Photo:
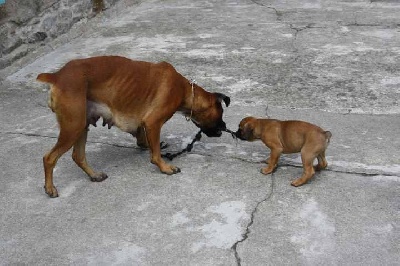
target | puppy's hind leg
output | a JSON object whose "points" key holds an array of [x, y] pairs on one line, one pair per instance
{"points": [[79, 156], [308, 170], [322, 163], [141, 139]]}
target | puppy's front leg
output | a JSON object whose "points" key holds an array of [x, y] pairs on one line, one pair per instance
{"points": [[272, 161], [152, 132]]}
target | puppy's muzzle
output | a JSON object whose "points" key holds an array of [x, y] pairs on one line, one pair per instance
{"points": [[239, 134]]}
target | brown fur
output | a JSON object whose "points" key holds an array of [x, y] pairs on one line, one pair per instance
{"points": [[138, 97], [288, 137]]}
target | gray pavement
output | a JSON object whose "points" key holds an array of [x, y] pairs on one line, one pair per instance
{"points": [[333, 63]]}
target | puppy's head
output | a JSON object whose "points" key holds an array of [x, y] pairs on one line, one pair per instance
{"points": [[246, 129], [209, 120]]}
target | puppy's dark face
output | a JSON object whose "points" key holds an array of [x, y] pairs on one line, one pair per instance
{"points": [[246, 129], [210, 120]]}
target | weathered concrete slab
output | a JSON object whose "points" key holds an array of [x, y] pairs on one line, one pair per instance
{"points": [[326, 223]]}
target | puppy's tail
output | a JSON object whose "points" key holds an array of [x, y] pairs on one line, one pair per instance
{"points": [[47, 78], [328, 136]]}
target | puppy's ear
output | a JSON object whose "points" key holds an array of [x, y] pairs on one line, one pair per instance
{"points": [[222, 97]]}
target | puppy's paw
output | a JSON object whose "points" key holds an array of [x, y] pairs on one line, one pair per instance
{"points": [[298, 182], [51, 191], [318, 167], [267, 170], [98, 177]]}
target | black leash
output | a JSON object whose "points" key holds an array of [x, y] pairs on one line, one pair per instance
{"points": [[233, 134], [189, 147]]}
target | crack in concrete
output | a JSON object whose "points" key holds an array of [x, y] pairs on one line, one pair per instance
{"points": [[278, 13], [300, 29], [380, 25], [56, 137], [356, 24], [297, 30], [245, 236], [26, 134], [329, 169]]}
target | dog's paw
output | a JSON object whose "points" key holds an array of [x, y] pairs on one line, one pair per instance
{"points": [[176, 170], [51, 191], [98, 177], [171, 170]]}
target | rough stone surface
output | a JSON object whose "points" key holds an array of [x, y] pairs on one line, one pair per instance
{"points": [[32, 22], [332, 63]]}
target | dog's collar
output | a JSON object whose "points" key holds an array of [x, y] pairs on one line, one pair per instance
{"points": [[188, 118]]}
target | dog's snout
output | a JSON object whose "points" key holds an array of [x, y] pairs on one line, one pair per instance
{"points": [[222, 125]]}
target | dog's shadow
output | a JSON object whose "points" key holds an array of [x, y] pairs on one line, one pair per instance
{"points": [[106, 157]]}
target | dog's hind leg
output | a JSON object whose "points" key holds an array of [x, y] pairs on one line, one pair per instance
{"points": [[70, 108], [141, 139], [66, 139], [79, 156]]}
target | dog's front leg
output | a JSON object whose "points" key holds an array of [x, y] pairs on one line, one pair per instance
{"points": [[152, 131]]}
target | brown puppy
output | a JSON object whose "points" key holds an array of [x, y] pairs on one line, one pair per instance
{"points": [[137, 97], [288, 137]]}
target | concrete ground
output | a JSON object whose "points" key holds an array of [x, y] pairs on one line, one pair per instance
{"points": [[332, 63]]}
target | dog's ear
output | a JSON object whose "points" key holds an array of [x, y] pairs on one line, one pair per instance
{"points": [[222, 97]]}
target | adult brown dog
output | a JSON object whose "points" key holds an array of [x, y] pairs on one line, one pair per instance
{"points": [[288, 137], [137, 97]]}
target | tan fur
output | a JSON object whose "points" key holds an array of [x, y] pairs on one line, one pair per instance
{"points": [[138, 97], [288, 137]]}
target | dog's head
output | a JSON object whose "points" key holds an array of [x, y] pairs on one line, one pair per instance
{"points": [[209, 118], [246, 129]]}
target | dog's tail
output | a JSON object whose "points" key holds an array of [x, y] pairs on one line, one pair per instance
{"points": [[47, 78], [328, 136]]}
